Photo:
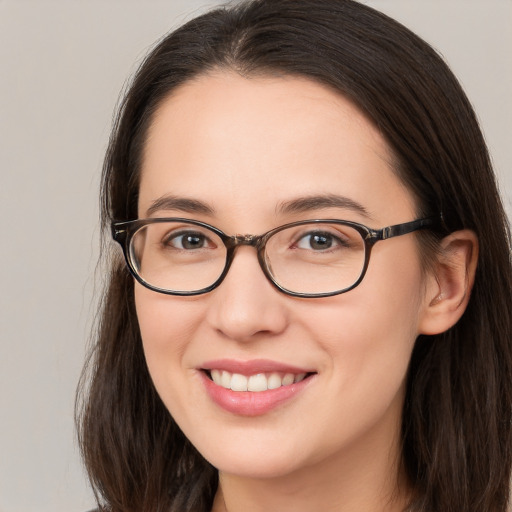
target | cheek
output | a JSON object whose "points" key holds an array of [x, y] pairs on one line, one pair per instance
{"points": [[369, 334], [369, 349], [394, 289], [166, 324]]}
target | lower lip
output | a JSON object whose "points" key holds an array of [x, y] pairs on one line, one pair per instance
{"points": [[252, 403]]}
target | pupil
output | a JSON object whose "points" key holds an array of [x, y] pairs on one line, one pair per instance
{"points": [[320, 242], [192, 242]]}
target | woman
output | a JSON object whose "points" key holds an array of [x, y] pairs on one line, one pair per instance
{"points": [[251, 355]]}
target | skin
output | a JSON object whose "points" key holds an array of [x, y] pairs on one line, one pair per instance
{"points": [[244, 147]]}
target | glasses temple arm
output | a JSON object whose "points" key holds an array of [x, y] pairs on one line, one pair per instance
{"points": [[403, 229]]}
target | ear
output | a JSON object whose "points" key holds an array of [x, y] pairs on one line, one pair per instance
{"points": [[450, 282]]}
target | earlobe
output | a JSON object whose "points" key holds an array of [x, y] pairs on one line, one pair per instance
{"points": [[450, 282]]}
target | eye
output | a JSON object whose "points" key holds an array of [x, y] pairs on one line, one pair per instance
{"points": [[188, 240], [320, 241]]}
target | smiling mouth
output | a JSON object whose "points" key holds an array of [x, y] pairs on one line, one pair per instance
{"points": [[256, 383]]}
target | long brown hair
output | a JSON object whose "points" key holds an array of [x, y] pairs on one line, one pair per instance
{"points": [[456, 428]]}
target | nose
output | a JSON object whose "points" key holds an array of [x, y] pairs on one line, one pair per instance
{"points": [[246, 304]]}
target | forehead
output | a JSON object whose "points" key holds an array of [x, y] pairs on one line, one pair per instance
{"points": [[237, 142]]}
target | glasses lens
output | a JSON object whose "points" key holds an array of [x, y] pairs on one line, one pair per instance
{"points": [[177, 256], [316, 258]]}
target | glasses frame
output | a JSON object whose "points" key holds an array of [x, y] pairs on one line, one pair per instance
{"points": [[123, 232]]}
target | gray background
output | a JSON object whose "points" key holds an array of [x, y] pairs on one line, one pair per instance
{"points": [[63, 64]]}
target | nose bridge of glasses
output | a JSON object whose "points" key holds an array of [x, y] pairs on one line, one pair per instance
{"points": [[247, 239], [235, 241]]}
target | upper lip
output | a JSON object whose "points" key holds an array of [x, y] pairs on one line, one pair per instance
{"points": [[253, 366]]}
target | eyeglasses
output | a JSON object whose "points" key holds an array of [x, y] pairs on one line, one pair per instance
{"points": [[309, 258]]}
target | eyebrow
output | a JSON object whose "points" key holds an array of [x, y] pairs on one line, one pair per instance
{"points": [[298, 205], [182, 204], [319, 202]]}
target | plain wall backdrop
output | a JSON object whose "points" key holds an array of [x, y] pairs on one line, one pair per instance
{"points": [[63, 64]]}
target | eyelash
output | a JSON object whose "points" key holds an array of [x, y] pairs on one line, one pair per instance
{"points": [[171, 237], [337, 240]]}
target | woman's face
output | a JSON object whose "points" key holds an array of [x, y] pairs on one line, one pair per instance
{"points": [[244, 150]]}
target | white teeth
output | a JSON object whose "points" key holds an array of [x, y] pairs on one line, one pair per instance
{"points": [[225, 381], [216, 376], [238, 382], [274, 381], [288, 379], [255, 383]]}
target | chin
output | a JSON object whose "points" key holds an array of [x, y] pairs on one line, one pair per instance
{"points": [[257, 469], [251, 459]]}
